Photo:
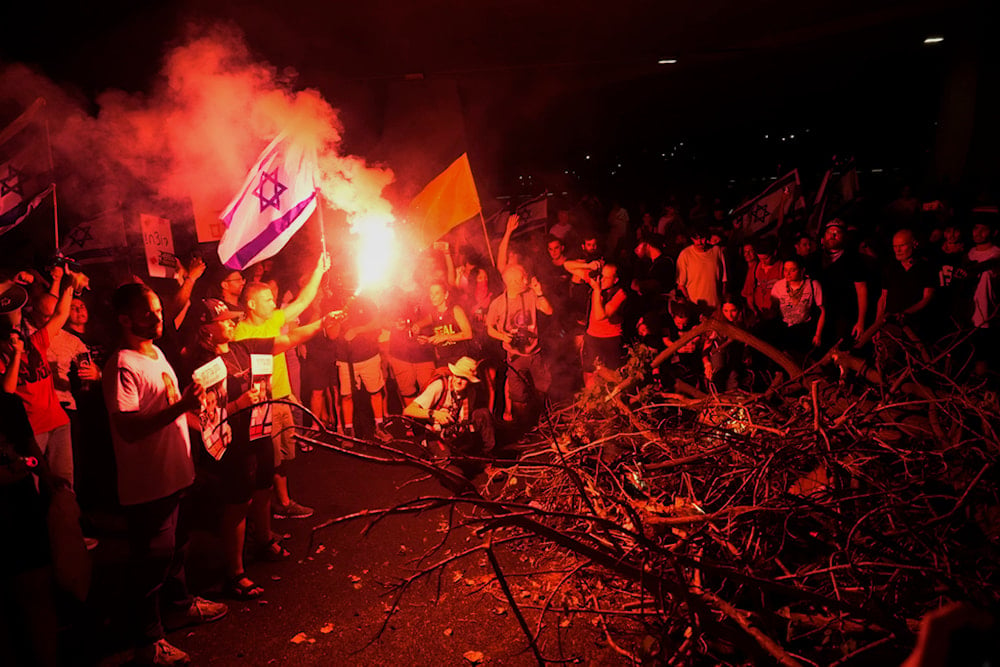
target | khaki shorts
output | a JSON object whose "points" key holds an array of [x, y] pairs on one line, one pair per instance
{"points": [[411, 377], [367, 376], [282, 432]]}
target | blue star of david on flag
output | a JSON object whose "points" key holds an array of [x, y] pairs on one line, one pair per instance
{"points": [[80, 235], [277, 188], [11, 183], [277, 197]]}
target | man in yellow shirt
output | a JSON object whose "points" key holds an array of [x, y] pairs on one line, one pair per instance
{"points": [[264, 320]]}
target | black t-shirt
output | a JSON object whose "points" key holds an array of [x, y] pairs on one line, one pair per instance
{"points": [[555, 281], [403, 345], [365, 346], [840, 297], [905, 288], [22, 512], [237, 361]]}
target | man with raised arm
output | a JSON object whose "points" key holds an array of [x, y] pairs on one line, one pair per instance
{"points": [[265, 320]]}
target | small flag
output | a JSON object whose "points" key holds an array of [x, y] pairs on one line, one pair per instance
{"points": [[276, 199], [25, 171], [97, 240], [836, 192], [534, 215], [448, 200], [761, 215], [207, 212]]}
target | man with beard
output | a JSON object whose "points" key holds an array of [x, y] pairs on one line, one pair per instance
{"points": [[845, 290], [701, 271], [654, 276], [448, 401], [153, 455]]}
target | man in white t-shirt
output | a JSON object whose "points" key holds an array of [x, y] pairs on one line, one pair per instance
{"points": [[153, 456], [701, 271]]}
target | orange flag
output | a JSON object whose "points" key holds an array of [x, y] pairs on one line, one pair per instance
{"points": [[448, 200]]}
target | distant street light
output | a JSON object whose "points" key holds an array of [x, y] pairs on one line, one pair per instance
{"points": [[667, 61], [933, 39]]}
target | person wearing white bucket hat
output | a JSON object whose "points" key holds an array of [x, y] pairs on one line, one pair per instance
{"points": [[447, 403]]}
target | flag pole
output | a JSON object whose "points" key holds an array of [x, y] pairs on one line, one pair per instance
{"points": [[489, 247], [52, 170], [322, 224]]}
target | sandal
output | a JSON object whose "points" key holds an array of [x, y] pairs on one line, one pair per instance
{"points": [[273, 552], [237, 590]]}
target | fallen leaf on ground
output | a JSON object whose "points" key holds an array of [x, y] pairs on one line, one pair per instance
{"points": [[475, 657], [300, 638], [448, 632], [327, 629], [320, 549]]}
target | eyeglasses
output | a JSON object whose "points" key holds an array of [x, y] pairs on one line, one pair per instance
{"points": [[241, 279]]}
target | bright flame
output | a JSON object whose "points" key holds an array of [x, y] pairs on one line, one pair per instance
{"points": [[376, 251]]}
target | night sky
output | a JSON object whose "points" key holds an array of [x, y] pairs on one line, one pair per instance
{"points": [[541, 88]]}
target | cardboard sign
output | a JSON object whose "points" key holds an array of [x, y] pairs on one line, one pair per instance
{"points": [[261, 368], [158, 242], [213, 418]]}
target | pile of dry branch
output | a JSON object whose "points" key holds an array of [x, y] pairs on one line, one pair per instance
{"points": [[816, 523]]}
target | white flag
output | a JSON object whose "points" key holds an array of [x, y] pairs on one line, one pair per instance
{"points": [[276, 199]]}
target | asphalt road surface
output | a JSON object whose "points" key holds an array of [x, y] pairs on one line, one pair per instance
{"points": [[326, 606]]}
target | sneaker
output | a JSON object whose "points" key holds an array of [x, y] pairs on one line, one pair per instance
{"points": [[161, 653], [292, 510], [200, 611], [382, 435]]}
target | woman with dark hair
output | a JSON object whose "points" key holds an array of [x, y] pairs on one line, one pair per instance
{"points": [[800, 301], [725, 359], [446, 327]]}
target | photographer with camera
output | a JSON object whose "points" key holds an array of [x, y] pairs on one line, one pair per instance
{"points": [[602, 343], [447, 404], [513, 320]]}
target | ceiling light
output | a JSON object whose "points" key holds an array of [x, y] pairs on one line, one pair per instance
{"points": [[933, 39], [667, 61]]}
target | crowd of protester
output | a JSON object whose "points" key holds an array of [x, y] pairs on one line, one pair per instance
{"points": [[465, 338]]}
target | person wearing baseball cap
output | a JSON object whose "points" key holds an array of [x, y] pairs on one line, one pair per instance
{"points": [[843, 279], [245, 466]]}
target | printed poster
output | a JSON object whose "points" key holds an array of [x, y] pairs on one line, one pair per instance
{"points": [[213, 418], [261, 368]]}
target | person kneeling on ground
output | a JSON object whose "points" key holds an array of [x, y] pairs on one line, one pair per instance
{"points": [[447, 404]]}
